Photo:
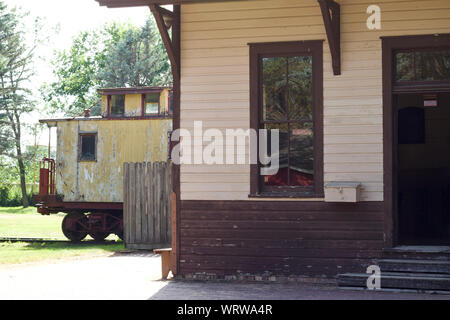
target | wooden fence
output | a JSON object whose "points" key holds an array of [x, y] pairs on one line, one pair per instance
{"points": [[147, 205]]}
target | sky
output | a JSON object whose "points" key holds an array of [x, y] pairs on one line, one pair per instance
{"points": [[72, 16]]}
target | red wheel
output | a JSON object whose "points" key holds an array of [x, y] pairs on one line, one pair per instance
{"points": [[74, 226]]}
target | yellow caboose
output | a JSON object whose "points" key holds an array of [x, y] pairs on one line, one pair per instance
{"points": [[85, 180]]}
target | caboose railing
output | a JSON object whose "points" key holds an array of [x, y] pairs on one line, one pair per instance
{"points": [[47, 177]]}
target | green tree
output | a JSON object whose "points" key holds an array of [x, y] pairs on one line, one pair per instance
{"points": [[117, 55], [75, 73], [16, 70], [137, 59], [10, 194]]}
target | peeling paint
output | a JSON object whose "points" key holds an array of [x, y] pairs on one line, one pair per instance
{"points": [[88, 176], [118, 141]]}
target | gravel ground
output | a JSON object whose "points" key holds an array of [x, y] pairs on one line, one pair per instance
{"points": [[137, 277]]}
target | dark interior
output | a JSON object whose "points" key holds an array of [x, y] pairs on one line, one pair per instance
{"points": [[87, 147], [423, 170]]}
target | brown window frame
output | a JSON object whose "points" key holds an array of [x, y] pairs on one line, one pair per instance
{"points": [[258, 51], [80, 146], [109, 106], [151, 115], [414, 85], [422, 43]]}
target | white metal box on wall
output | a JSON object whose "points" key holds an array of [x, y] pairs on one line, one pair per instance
{"points": [[342, 192]]}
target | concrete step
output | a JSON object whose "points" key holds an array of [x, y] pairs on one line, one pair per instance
{"points": [[399, 280], [414, 266], [418, 252]]}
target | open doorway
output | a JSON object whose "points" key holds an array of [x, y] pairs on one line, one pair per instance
{"points": [[423, 168], [416, 139]]}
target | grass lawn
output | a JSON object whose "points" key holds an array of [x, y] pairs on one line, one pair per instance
{"points": [[21, 252], [17, 222], [27, 223]]}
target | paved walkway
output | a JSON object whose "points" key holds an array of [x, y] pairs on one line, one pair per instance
{"points": [[136, 276], [239, 291]]}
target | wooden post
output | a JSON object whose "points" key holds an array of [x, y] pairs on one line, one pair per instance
{"points": [[125, 201], [165, 261], [174, 230], [151, 217], [138, 204]]}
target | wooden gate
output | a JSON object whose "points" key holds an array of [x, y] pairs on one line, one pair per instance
{"points": [[147, 191]]}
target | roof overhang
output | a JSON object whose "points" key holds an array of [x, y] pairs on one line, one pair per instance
{"points": [[146, 3], [135, 90], [331, 12], [49, 122]]}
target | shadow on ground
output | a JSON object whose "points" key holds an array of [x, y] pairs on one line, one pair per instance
{"points": [[112, 246]]}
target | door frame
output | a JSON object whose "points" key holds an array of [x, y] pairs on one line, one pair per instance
{"points": [[390, 158]]}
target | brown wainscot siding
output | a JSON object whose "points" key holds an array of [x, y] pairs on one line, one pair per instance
{"points": [[223, 238]]}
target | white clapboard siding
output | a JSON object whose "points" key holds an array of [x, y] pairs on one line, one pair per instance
{"points": [[215, 81]]}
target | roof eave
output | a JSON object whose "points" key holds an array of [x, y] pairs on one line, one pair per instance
{"points": [[135, 90], [146, 3]]}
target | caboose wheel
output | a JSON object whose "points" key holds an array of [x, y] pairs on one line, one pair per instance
{"points": [[99, 236], [73, 226]]}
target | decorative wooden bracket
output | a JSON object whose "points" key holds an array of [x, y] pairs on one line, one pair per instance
{"points": [[331, 12], [166, 19]]}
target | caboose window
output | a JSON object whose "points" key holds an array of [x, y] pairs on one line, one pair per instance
{"points": [[87, 147], [117, 105], [152, 103]]}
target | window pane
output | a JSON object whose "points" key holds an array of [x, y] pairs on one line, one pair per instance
{"points": [[117, 105], [301, 156], [152, 103], [274, 88], [300, 88], [423, 66], [405, 67], [281, 178], [87, 147]]}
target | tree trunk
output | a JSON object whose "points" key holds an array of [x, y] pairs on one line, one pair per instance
{"points": [[23, 184]]}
